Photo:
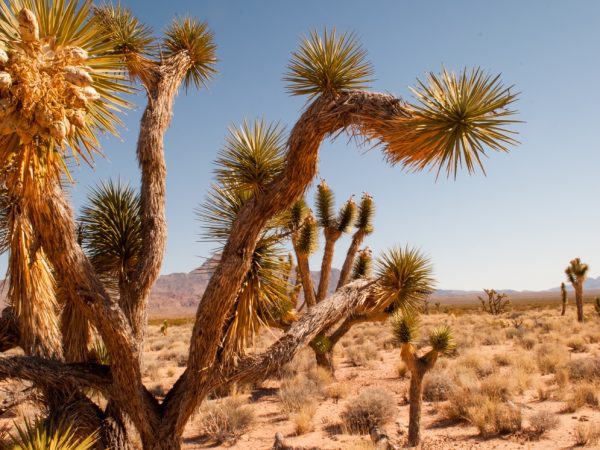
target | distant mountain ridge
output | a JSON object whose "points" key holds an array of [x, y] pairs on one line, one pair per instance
{"points": [[178, 294]]}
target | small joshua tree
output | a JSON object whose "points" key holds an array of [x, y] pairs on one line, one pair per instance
{"points": [[496, 303], [405, 327], [576, 274], [564, 298], [597, 305], [164, 327]]}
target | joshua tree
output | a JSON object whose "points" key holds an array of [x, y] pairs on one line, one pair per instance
{"points": [[63, 68], [495, 303], [597, 305], [405, 327], [576, 274], [564, 298]]}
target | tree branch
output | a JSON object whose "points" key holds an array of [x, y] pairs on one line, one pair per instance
{"points": [[9, 330], [53, 374], [365, 113]]}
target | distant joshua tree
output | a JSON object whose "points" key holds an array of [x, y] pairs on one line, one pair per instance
{"points": [[597, 305], [564, 298], [495, 303], [405, 327], [576, 274]]}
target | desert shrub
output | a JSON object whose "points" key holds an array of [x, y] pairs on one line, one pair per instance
{"points": [[225, 420], [577, 344], [373, 407], [582, 394], [527, 341], [493, 417], [526, 362], [303, 362], [491, 338], [437, 386], [336, 391], [583, 369], [360, 355], [586, 434], [320, 376], [303, 419], [498, 387], [502, 359], [481, 365], [543, 421], [549, 357], [298, 392]]}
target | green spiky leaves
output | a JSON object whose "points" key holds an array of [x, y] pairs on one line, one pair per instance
{"points": [[252, 156], [405, 278], [363, 265], [346, 216], [325, 204], [307, 239], [441, 339], [405, 327], [327, 64], [456, 117], [111, 231], [197, 41], [129, 36], [366, 211], [40, 435], [576, 270]]}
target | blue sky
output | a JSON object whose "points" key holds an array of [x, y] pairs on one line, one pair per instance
{"points": [[516, 228]]}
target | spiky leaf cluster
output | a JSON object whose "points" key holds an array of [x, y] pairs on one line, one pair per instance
{"points": [[405, 278], [297, 215], [328, 64], [325, 204], [307, 240], [195, 39], [41, 435], [346, 216], [252, 156], [405, 327], [363, 265], [441, 339], [455, 118], [111, 231], [366, 211], [576, 270], [129, 36], [66, 82]]}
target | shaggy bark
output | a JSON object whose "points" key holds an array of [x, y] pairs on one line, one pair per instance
{"points": [[366, 113], [331, 237], [307, 284], [162, 82], [579, 299], [346, 272], [9, 330]]}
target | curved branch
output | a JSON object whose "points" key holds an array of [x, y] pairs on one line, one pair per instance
{"points": [[53, 374], [357, 240], [365, 113], [161, 89]]}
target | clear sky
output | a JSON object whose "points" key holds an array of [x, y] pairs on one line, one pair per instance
{"points": [[516, 228]]}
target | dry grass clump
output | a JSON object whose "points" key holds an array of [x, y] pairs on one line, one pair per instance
{"points": [[586, 434], [528, 341], [585, 369], [498, 387], [360, 355], [225, 420], [577, 344], [549, 357], [474, 360], [303, 390], [373, 407], [493, 417], [302, 363], [582, 394], [437, 386], [542, 422], [303, 419], [336, 391]]}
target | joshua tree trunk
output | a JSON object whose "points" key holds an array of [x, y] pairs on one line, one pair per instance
{"points": [[325, 360], [307, 283], [331, 237], [579, 299], [357, 240], [415, 397]]}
